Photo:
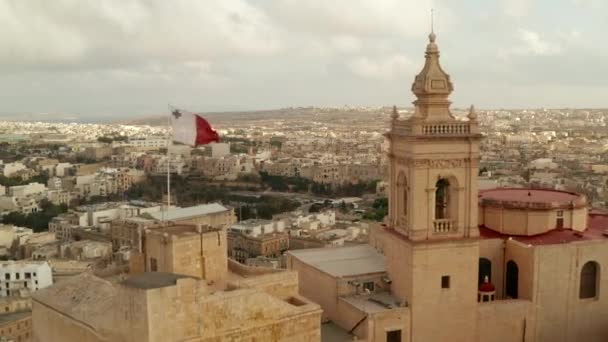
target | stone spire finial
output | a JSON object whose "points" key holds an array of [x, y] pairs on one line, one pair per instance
{"points": [[472, 114], [432, 86], [432, 79], [395, 113]]}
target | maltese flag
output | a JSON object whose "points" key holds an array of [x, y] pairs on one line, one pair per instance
{"points": [[191, 129]]}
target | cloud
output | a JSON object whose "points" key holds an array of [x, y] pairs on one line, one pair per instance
{"points": [[592, 4], [531, 44], [346, 43], [134, 56], [516, 8], [383, 68], [535, 45], [364, 18], [117, 33]]}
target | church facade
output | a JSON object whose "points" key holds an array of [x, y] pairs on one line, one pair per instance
{"points": [[455, 264]]}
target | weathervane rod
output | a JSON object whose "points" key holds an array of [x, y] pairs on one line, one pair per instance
{"points": [[432, 20]]}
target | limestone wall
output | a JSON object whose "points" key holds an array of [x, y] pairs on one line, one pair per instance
{"points": [[530, 222], [347, 316], [444, 314], [399, 265], [156, 248], [505, 321], [215, 256], [198, 255], [394, 319], [561, 315], [278, 284], [302, 329], [316, 286], [51, 326], [524, 257], [173, 312], [249, 314]]}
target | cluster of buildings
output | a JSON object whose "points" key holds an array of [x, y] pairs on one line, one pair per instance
{"points": [[68, 184], [18, 281], [557, 149]]}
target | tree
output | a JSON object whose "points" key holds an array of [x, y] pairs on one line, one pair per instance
{"points": [[379, 211], [38, 221], [105, 140]]}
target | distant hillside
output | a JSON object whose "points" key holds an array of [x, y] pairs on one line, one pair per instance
{"points": [[218, 117]]}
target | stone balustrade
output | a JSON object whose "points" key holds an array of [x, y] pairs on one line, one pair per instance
{"points": [[446, 129], [443, 226]]}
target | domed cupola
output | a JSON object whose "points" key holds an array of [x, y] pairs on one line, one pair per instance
{"points": [[432, 86]]}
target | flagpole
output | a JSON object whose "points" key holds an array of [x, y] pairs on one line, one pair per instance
{"points": [[168, 159]]}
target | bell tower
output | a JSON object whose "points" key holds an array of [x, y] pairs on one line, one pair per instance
{"points": [[433, 161], [431, 244]]}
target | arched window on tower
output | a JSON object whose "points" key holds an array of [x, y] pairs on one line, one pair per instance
{"points": [[512, 288], [442, 199], [485, 270], [589, 280]]}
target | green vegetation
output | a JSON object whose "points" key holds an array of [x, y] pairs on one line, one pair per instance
{"points": [[80, 159], [280, 183], [266, 206], [14, 181], [110, 139], [379, 210], [192, 192], [9, 153], [299, 184], [38, 221]]}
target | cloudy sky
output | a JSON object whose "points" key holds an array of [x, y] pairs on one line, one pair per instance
{"points": [[91, 58]]}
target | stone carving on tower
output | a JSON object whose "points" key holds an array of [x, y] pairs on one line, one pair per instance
{"points": [[433, 161]]}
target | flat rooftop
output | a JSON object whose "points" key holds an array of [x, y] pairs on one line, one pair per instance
{"points": [[597, 229], [531, 197], [330, 332], [190, 212], [153, 280], [373, 303], [343, 261]]}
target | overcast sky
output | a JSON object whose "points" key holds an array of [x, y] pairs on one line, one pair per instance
{"points": [[93, 58]]}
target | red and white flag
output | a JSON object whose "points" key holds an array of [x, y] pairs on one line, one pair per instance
{"points": [[191, 129]]}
